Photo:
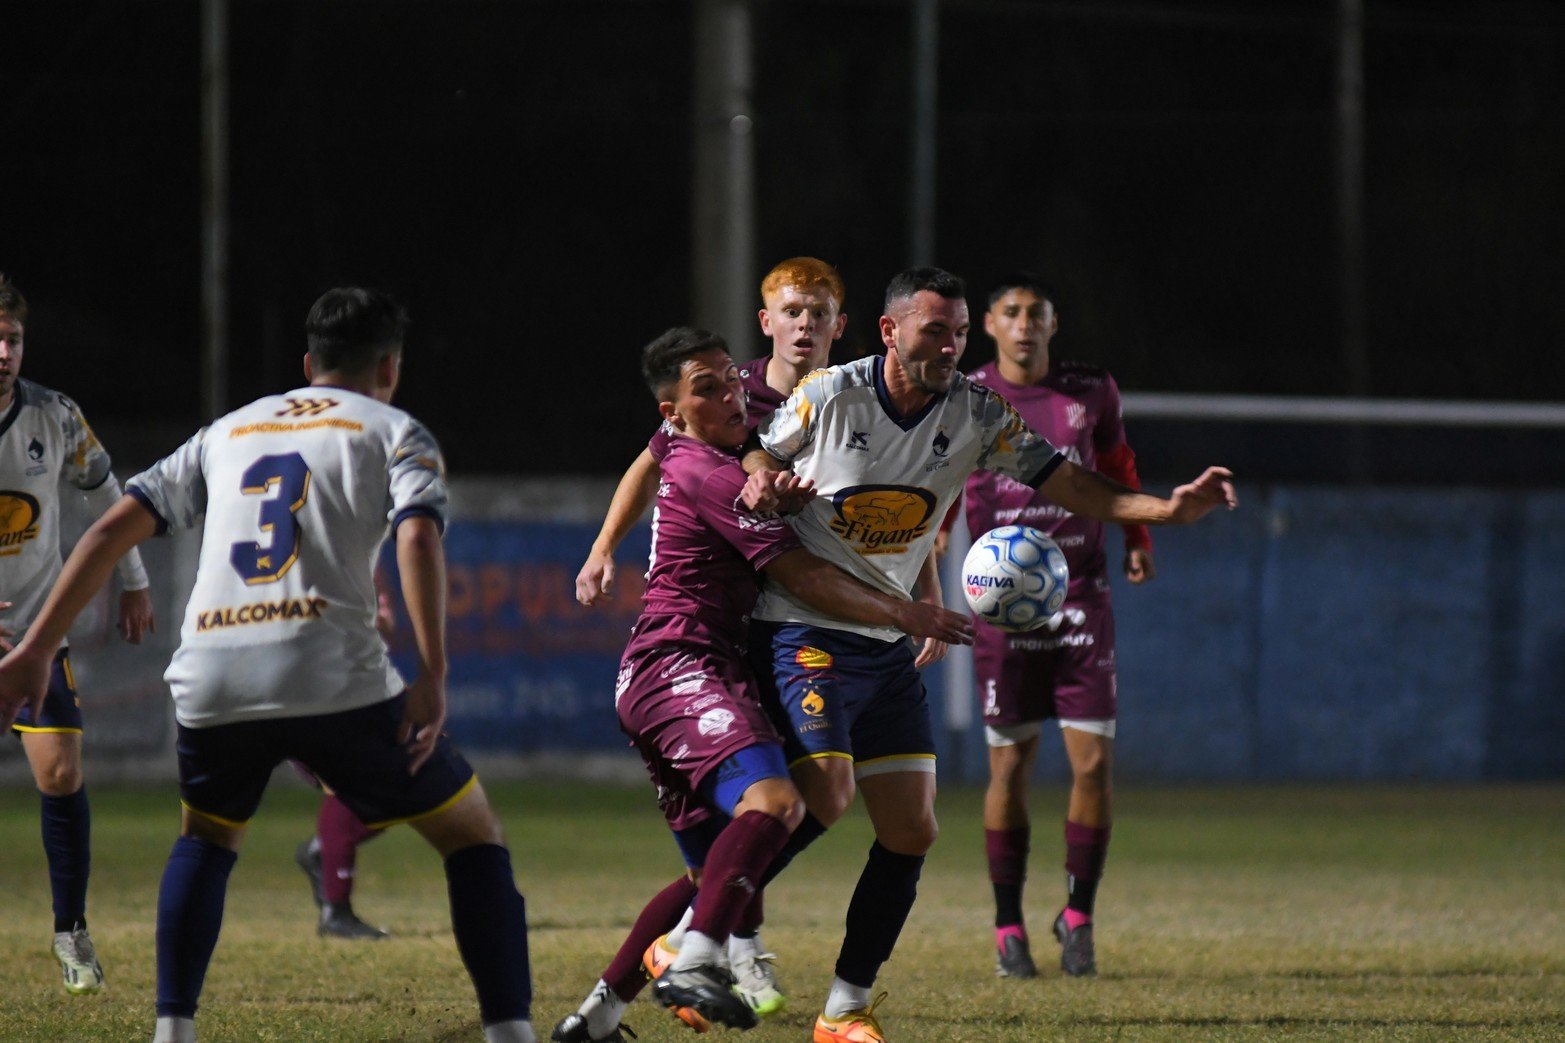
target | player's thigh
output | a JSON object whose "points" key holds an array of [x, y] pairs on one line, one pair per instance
{"points": [[807, 686], [223, 772], [1012, 755], [467, 822], [892, 731], [1091, 753], [1086, 672], [355, 753], [901, 807]]}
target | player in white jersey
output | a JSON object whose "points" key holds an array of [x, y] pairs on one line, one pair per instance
{"points": [[887, 443], [279, 656], [46, 444]]}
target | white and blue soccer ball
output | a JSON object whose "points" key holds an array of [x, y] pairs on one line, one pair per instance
{"points": [[1015, 578]]}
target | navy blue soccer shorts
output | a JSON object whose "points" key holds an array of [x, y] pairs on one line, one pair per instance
{"points": [[832, 693], [223, 770], [62, 710]]}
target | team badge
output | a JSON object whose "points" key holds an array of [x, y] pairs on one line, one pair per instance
{"points": [[812, 703], [716, 722]]}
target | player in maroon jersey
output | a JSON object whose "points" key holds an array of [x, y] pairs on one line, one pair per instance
{"points": [[686, 695], [802, 300], [1065, 670]]}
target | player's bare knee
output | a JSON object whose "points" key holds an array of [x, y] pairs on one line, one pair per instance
{"points": [[913, 837], [58, 779], [228, 835]]}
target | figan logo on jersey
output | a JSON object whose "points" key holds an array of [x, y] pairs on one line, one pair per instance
{"points": [[18, 521], [882, 519]]}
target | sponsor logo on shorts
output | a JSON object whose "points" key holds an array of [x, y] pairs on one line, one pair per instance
{"points": [[286, 610], [622, 681], [689, 684], [812, 658], [716, 722], [812, 703]]}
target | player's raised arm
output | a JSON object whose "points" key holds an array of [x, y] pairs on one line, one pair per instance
{"points": [[421, 560], [24, 672], [1089, 493], [828, 589], [631, 497]]}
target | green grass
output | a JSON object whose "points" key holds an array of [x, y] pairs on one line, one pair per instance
{"points": [[1322, 913]]}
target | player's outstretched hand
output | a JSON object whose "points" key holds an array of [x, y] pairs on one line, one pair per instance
{"points": [[24, 680], [921, 620], [136, 618], [596, 578], [423, 718], [930, 652], [1215, 488], [6, 633], [1138, 565]]}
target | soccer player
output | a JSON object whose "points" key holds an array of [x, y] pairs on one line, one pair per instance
{"points": [[279, 657], [329, 857], [44, 443], [888, 442], [1066, 670], [685, 694], [802, 300]]}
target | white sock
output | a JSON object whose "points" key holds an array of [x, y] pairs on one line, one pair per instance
{"points": [[676, 937], [845, 998], [602, 1009], [738, 947], [697, 950], [510, 1032], [174, 1030]]}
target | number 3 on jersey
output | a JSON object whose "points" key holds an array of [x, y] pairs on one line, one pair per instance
{"points": [[291, 476]]}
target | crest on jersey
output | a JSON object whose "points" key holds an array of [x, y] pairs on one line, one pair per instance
{"points": [[942, 442], [35, 450], [882, 519], [18, 521]]}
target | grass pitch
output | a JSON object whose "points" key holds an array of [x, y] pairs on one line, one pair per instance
{"points": [[1325, 913]]}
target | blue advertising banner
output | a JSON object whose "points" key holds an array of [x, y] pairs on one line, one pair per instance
{"points": [[532, 669]]}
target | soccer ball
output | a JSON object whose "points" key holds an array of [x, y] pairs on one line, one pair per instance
{"points": [[1015, 578]]}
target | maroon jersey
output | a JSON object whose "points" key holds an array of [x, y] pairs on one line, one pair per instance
{"points": [[706, 551], [1076, 407], [760, 402]]}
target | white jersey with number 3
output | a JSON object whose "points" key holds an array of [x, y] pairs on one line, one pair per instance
{"points": [[884, 481], [297, 492]]}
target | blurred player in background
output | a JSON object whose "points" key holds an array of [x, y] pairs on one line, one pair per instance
{"points": [[330, 857], [887, 443], [279, 657], [685, 694], [1066, 669], [802, 300], [45, 442]]}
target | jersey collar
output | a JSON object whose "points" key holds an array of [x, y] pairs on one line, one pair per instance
{"points": [[906, 423]]}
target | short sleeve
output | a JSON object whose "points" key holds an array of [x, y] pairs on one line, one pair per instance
{"points": [[174, 489], [1110, 432], [759, 540], [660, 441], [86, 461], [1011, 447], [418, 478], [792, 427]]}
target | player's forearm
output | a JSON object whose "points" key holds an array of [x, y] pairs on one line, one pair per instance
{"points": [[827, 589], [123, 526], [760, 460], [1094, 495], [635, 491], [928, 582], [421, 561]]}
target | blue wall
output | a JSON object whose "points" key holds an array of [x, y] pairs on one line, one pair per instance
{"points": [[1317, 633]]}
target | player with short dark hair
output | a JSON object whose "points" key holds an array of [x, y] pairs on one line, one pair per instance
{"points": [[801, 312], [279, 657], [45, 443], [685, 694], [1065, 669], [888, 442]]}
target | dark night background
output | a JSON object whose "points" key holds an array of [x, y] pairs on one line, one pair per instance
{"points": [[519, 173]]}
